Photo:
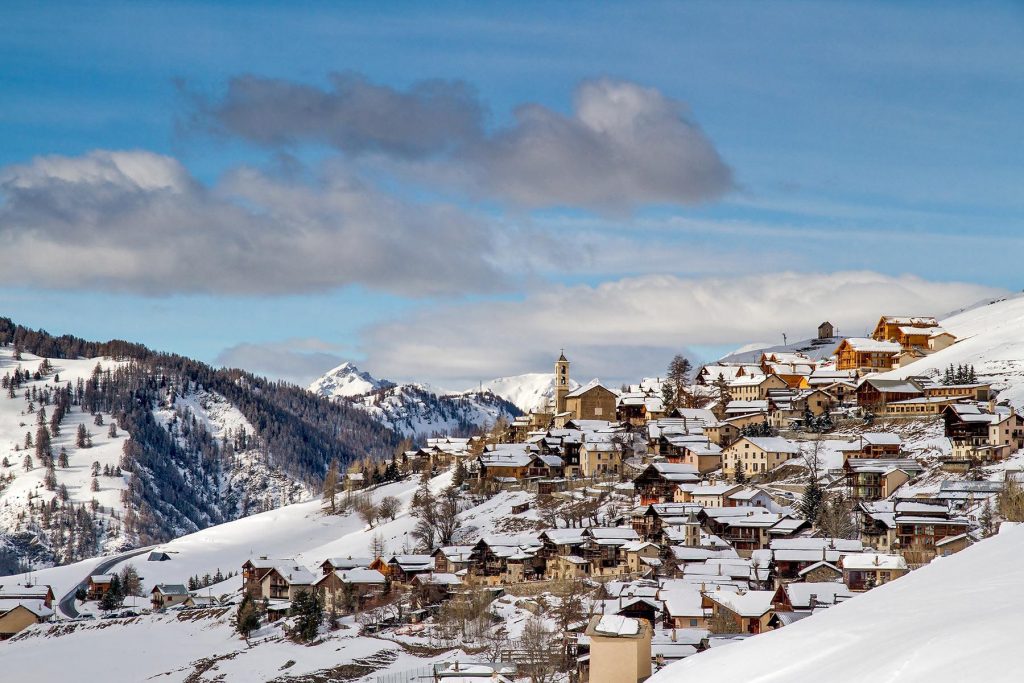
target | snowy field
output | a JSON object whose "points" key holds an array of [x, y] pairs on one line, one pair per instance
{"points": [[952, 621]]}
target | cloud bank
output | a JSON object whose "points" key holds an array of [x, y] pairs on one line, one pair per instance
{"points": [[631, 327], [623, 145], [135, 221]]}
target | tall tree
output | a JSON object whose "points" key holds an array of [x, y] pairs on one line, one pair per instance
{"points": [[331, 485]]}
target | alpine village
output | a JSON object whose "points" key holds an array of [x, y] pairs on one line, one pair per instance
{"points": [[600, 536]]}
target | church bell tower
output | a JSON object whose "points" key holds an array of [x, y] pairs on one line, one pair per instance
{"points": [[561, 382]]}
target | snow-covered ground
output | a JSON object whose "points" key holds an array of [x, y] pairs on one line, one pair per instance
{"points": [[197, 647], [954, 620], [530, 391]]}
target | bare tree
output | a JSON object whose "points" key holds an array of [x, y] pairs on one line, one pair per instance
{"points": [[1011, 500], [835, 518], [367, 511], [389, 507], [446, 517], [377, 548], [536, 648], [331, 486]]}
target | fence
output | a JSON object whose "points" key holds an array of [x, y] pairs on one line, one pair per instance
{"points": [[421, 674]]}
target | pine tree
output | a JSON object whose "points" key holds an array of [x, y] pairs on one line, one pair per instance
{"points": [[80, 437], [812, 500], [309, 614], [247, 619], [460, 474]]}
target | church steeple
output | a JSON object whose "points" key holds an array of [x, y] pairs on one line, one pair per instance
{"points": [[561, 382]]}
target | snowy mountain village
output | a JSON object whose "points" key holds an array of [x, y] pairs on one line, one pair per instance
{"points": [[602, 534]]}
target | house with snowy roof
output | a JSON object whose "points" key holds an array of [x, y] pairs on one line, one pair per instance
{"points": [[18, 614], [866, 355], [865, 571], [757, 455], [592, 401], [164, 595], [740, 611]]}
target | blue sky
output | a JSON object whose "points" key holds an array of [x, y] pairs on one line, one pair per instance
{"points": [[843, 137]]}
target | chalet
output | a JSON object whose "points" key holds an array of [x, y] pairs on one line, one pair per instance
{"points": [[641, 556], [750, 611], [164, 595], [865, 571], [981, 434], [804, 596], [284, 582], [911, 332], [592, 401], [746, 529], [333, 564], [874, 393], [755, 388], [17, 615], [600, 454], [637, 408], [511, 461], [713, 495], [452, 559], [873, 445], [98, 586], [498, 559], [865, 355], [790, 557], [658, 481], [27, 591], [820, 572], [877, 478], [748, 497], [345, 590], [256, 570], [712, 374], [605, 548], [402, 568], [978, 391], [922, 527], [725, 433], [684, 607], [434, 588], [877, 522], [757, 455]]}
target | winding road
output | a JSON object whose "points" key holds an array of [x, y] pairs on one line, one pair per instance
{"points": [[67, 603]]}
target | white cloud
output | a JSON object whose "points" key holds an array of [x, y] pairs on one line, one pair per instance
{"points": [[138, 222], [630, 327]]}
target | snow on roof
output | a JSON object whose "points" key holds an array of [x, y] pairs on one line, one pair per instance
{"points": [[170, 589], [874, 561], [683, 601], [714, 489], [747, 604], [613, 625], [773, 444], [800, 593], [36, 607], [360, 575], [843, 544], [881, 438], [866, 345], [592, 384]]}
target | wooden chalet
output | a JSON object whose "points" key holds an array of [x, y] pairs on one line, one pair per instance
{"points": [[658, 481]]}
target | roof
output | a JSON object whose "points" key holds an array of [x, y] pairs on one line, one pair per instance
{"points": [[614, 626], [170, 589], [592, 384], [36, 607], [747, 604], [773, 444], [866, 345], [874, 561], [824, 592]]}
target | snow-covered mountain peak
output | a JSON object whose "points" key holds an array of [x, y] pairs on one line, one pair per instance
{"points": [[530, 391], [347, 380]]}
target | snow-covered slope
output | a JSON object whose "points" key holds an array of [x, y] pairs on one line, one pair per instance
{"points": [[418, 410], [990, 336], [951, 621], [415, 411], [530, 391], [815, 349], [25, 530], [347, 380]]}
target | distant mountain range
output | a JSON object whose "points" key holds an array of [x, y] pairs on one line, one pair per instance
{"points": [[418, 410]]}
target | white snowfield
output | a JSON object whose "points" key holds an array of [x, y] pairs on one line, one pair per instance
{"points": [[345, 381], [990, 336], [528, 392], [953, 621], [301, 531]]}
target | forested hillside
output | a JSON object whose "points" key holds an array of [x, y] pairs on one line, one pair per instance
{"points": [[181, 468]]}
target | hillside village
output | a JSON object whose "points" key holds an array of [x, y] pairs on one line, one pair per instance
{"points": [[611, 531]]}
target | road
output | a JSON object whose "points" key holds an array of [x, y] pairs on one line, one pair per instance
{"points": [[67, 603]]}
